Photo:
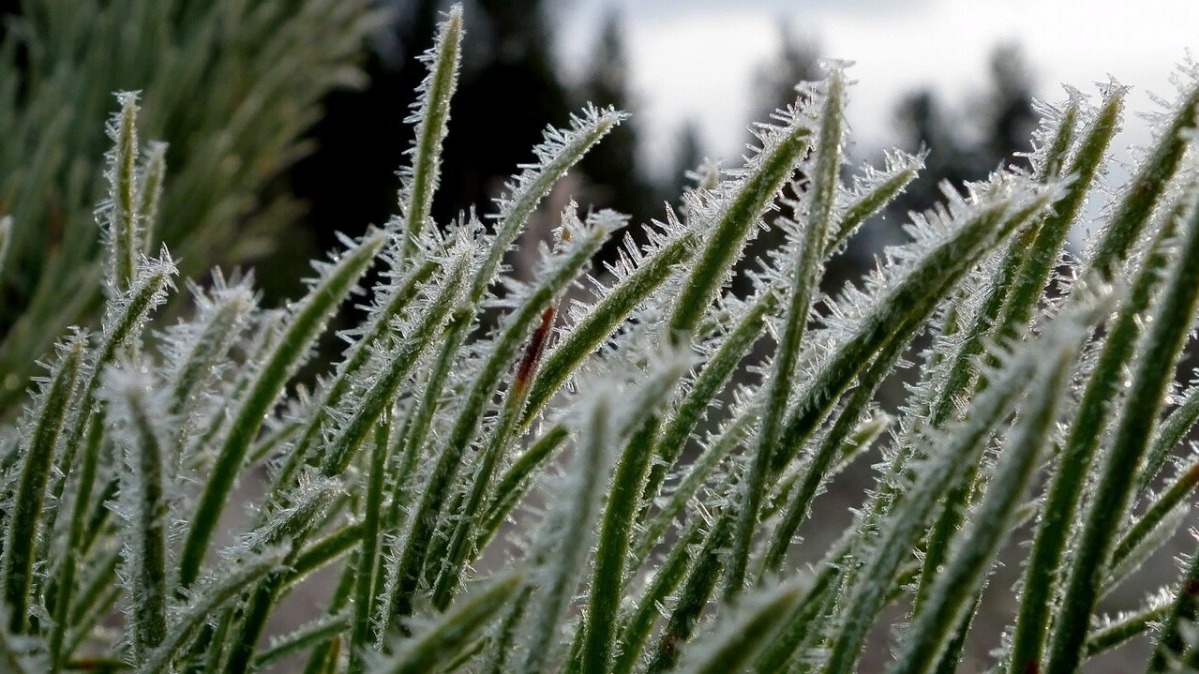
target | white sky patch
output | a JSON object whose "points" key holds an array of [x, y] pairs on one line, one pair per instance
{"points": [[695, 60]]}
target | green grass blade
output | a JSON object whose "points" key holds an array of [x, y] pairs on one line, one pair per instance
{"points": [[315, 633], [206, 601], [1134, 624], [816, 472], [368, 561], [77, 545], [382, 392], [1041, 255], [704, 468], [124, 321], [806, 273], [899, 534], [565, 541], [307, 322], [635, 625], [561, 150], [702, 577], [606, 586], [515, 482], [953, 592], [715, 374], [1173, 639], [414, 556], [431, 115], [1017, 289], [749, 629], [783, 149], [143, 497], [608, 313], [454, 630], [1151, 380], [1167, 510], [219, 322], [1146, 187], [1074, 462], [26, 509], [1169, 435], [904, 308], [119, 212], [321, 553], [5, 241], [877, 192], [379, 326], [149, 198], [457, 550]]}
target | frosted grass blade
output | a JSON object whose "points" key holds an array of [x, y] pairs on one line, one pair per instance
{"points": [[5, 240], [307, 322], [119, 213], [806, 273], [431, 115], [751, 627], [1169, 435], [143, 502], [1147, 186], [953, 592], [1152, 378], [609, 312], [1077, 455], [413, 558], [317, 632], [783, 149], [456, 551], [149, 197], [904, 308], [561, 150], [205, 603], [453, 631], [898, 535], [607, 580], [368, 561], [1172, 643], [26, 510], [565, 541]]}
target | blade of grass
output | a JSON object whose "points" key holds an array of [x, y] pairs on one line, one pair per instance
{"points": [[307, 323], [1151, 381], [38, 460], [954, 590]]}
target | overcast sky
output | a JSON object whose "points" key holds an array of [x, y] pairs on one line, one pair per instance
{"points": [[694, 59]]}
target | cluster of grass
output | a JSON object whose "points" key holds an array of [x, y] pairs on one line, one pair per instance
{"points": [[400, 469]]}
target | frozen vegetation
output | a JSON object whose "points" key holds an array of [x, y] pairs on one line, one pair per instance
{"points": [[637, 487]]}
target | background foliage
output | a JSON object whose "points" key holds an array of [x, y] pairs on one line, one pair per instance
{"points": [[230, 87]]}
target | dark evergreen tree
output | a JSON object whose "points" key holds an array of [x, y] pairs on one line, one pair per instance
{"points": [[612, 172], [688, 154], [774, 83], [967, 147], [614, 175]]}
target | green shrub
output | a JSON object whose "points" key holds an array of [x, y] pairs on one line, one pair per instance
{"points": [[407, 463], [232, 86]]}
